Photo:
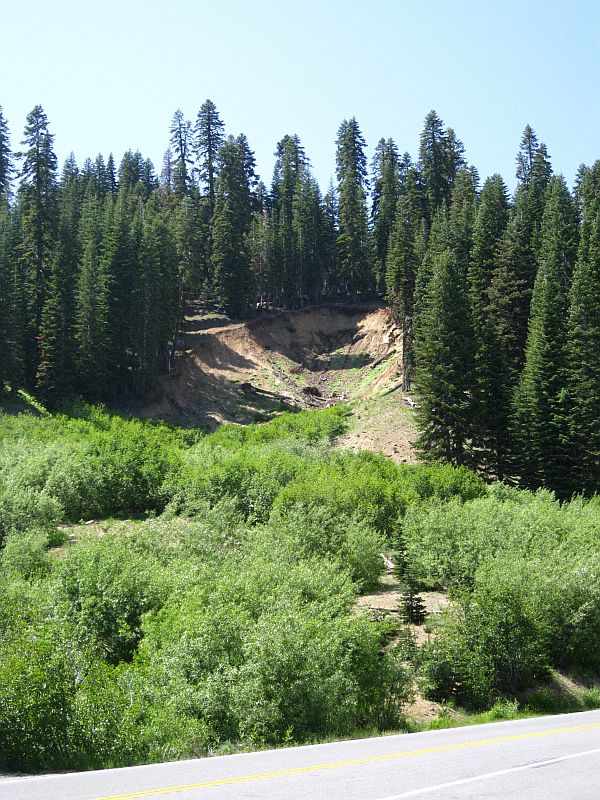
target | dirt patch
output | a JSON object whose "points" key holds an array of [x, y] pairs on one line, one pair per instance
{"points": [[310, 358]]}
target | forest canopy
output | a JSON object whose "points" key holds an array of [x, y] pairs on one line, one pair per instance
{"points": [[498, 297]]}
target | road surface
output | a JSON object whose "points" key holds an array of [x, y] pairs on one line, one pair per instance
{"points": [[533, 759]]}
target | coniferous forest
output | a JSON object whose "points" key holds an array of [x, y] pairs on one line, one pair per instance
{"points": [[167, 593], [498, 296]]}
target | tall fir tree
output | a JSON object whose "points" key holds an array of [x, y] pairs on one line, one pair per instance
{"points": [[56, 371], [13, 308], [490, 423], [440, 157], [6, 164], [230, 227], [444, 364], [38, 208], [540, 403], [386, 191], [209, 135], [510, 297], [354, 245], [583, 344], [181, 147], [91, 323], [290, 163], [526, 156], [401, 269]]}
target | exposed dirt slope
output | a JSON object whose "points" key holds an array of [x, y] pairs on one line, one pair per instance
{"points": [[313, 357]]}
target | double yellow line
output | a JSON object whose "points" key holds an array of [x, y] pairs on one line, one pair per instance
{"points": [[259, 776]]}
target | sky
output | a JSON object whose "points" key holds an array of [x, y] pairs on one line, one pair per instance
{"points": [[111, 74]]}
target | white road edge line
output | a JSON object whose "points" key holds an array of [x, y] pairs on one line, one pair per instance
{"points": [[425, 789]]}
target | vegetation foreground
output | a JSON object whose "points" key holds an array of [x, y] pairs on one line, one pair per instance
{"points": [[215, 605]]}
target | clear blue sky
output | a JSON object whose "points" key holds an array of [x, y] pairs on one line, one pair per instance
{"points": [[110, 74]]}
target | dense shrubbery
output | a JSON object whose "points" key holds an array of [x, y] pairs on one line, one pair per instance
{"points": [[525, 573], [228, 615], [223, 620]]}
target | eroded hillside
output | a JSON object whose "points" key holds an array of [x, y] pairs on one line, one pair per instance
{"points": [[314, 357]]}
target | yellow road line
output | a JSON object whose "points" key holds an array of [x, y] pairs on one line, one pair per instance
{"points": [[350, 763]]}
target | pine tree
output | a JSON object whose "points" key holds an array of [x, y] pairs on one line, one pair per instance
{"points": [[192, 240], [259, 248], [510, 297], [583, 343], [308, 226], [401, 268], [526, 155], [6, 165], [119, 266], [91, 323], [12, 300], [111, 175], [290, 163], [230, 227], [437, 243], [444, 364], [209, 137], [166, 172], [131, 170], [354, 246], [329, 236], [55, 376], [386, 191], [539, 410], [181, 147], [441, 156], [411, 605], [490, 397], [38, 207]]}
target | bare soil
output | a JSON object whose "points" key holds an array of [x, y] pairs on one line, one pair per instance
{"points": [[310, 358]]}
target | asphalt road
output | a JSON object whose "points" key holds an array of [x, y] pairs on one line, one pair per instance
{"points": [[534, 759]]}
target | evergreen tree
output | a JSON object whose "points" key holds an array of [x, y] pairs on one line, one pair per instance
{"points": [[6, 165], [354, 247], [131, 170], [386, 191], [12, 300], [441, 156], [490, 399], [400, 282], [55, 376], [412, 608], [329, 236], [461, 216], [539, 412], [455, 156], [181, 147], [444, 364], [91, 324], [166, 172], [192, 241], [119, 267], [230, 227], [437, 243], [259, 248], [308, 226], [526, 155], [111, 175], [510, 298], [583, 343], [209, 137], [38, 208], [290, 162]]}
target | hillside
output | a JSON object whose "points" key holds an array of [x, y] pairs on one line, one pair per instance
{"points": [[309, 358]]}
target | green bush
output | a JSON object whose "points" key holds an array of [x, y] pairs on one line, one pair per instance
{"points": [[102, 588], [491, 644]]}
